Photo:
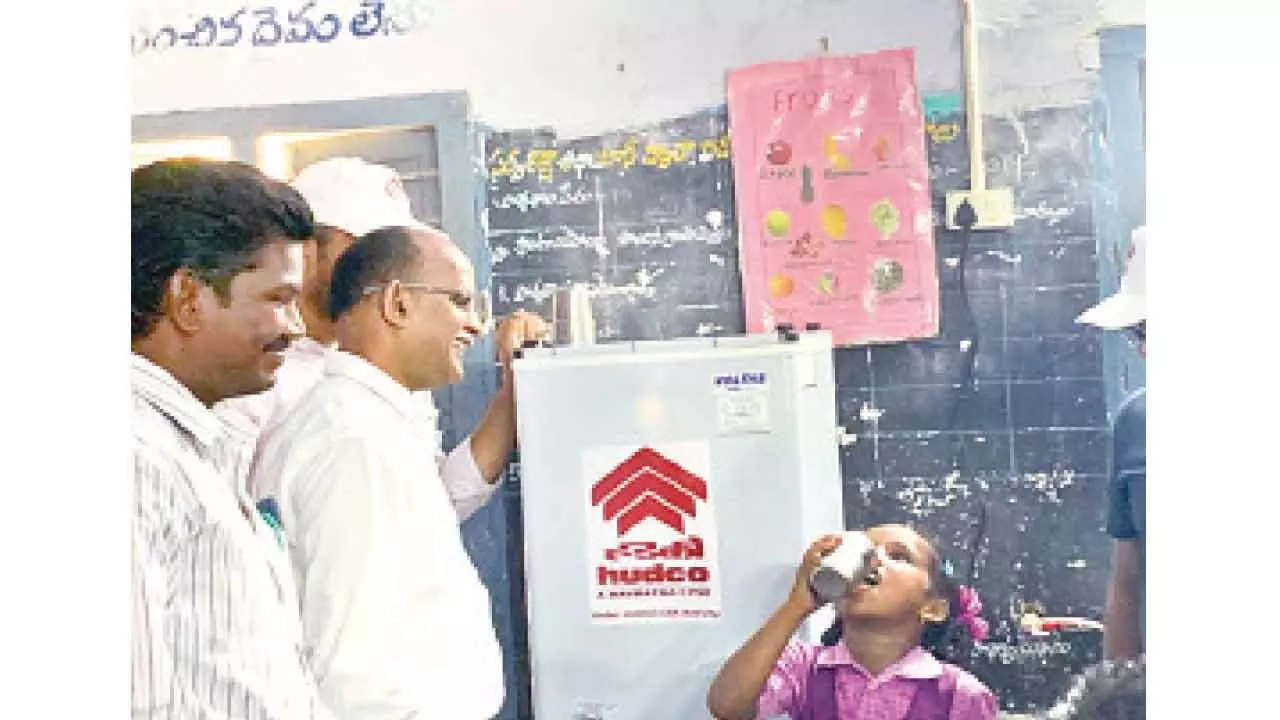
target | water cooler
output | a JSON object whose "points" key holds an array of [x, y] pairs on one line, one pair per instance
{"points": [[669, 490]]}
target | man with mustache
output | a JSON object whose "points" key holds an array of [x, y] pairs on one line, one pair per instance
{"points": [[394, 613], [350, 198], [216, 263]]}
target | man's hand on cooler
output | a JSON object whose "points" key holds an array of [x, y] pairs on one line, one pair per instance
{"points": [[516, 329]]}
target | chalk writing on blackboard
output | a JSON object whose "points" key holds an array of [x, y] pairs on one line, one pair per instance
{"points": [[549, 164], [1005, 653], [642, 217], [526, 200], [272, 25]]}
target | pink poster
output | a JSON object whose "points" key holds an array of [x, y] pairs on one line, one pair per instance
{"points": [[832, 184]]}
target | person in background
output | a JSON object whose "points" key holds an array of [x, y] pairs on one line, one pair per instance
{"points": [[216, 263], [900, 631], [350, 198], [1123, 622], [1110, 690], [394, 612]]}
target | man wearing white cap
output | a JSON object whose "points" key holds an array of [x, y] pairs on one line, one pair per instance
{"points": [[349, 198], [1126, 311]]}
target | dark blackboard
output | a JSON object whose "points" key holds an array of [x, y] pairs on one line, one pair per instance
{"points": [[644, 218]]}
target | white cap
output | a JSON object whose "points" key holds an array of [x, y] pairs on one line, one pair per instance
{"points": [[353, 195], [1128, 306]]}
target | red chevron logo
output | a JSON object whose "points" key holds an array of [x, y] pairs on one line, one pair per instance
{"points": [[648, 485]]}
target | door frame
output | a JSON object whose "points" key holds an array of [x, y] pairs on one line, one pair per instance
{"points": [[448, 112], [1120, 186]]}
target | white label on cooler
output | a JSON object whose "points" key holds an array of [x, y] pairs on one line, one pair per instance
{"points": [[652, 552], [742, 403]]}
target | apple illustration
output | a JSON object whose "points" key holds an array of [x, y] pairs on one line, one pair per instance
{"points": [[779, 152]]}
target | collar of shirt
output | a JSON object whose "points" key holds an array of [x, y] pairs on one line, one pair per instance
{"points": [[309, 348], [162, 390], [424, 408], [916, 664], [355, 368]]}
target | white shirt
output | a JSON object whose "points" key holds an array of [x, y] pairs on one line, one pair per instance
{"points": [[215, 631], [394, 614], [302, 369]]}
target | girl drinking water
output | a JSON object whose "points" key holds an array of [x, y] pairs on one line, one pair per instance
{"points": [[888, 657]]}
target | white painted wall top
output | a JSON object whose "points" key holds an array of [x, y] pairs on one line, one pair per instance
{"points": [[585, 66]]}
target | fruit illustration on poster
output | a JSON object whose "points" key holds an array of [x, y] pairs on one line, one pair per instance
{"points": [[886, 275], [836, 158], [881, 149], [806, 247], [884, 217], [833, 221], [781, 286], [827, 283], [779, 152], [777, 223]]}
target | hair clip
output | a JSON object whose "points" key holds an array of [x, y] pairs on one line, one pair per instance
{"points": [[969, 613]]}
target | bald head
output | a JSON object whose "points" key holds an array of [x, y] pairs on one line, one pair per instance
{"points": [[404, 299], [407, 254]]}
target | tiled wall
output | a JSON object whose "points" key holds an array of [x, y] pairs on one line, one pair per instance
{"points": [[1005, 413]]}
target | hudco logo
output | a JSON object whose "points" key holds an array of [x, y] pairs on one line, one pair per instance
{"points": [[648, 485]]}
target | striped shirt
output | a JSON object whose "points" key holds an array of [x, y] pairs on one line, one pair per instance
{"points": [[215, 632], [302, 370]]}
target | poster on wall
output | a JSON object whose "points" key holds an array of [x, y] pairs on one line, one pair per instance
{"points": [[831, 177], [651, 534]]}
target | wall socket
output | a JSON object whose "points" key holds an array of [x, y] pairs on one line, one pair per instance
{"points": [[994, 207]]}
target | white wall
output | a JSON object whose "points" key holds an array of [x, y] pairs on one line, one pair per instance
{"points": [[584, 66], [1123, 12]]}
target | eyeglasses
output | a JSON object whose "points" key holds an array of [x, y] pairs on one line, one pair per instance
{"points": [[464, 301]]}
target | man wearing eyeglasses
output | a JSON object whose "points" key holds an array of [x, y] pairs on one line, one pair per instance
{"points": [[1123, 624], [350, 198], [395, 617]]}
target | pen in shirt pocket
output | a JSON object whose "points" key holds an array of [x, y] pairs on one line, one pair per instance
{"points": [[270, 512]]}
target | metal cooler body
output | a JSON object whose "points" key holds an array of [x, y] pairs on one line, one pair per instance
{"points": [[669, 489]]}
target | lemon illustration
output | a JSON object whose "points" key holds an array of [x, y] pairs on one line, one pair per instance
{"points": [[833, 222], [777, 222]]}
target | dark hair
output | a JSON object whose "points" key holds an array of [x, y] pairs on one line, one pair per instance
{"points": [[948, 640], [380, 256], [208, 216], [1111, 690]]}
